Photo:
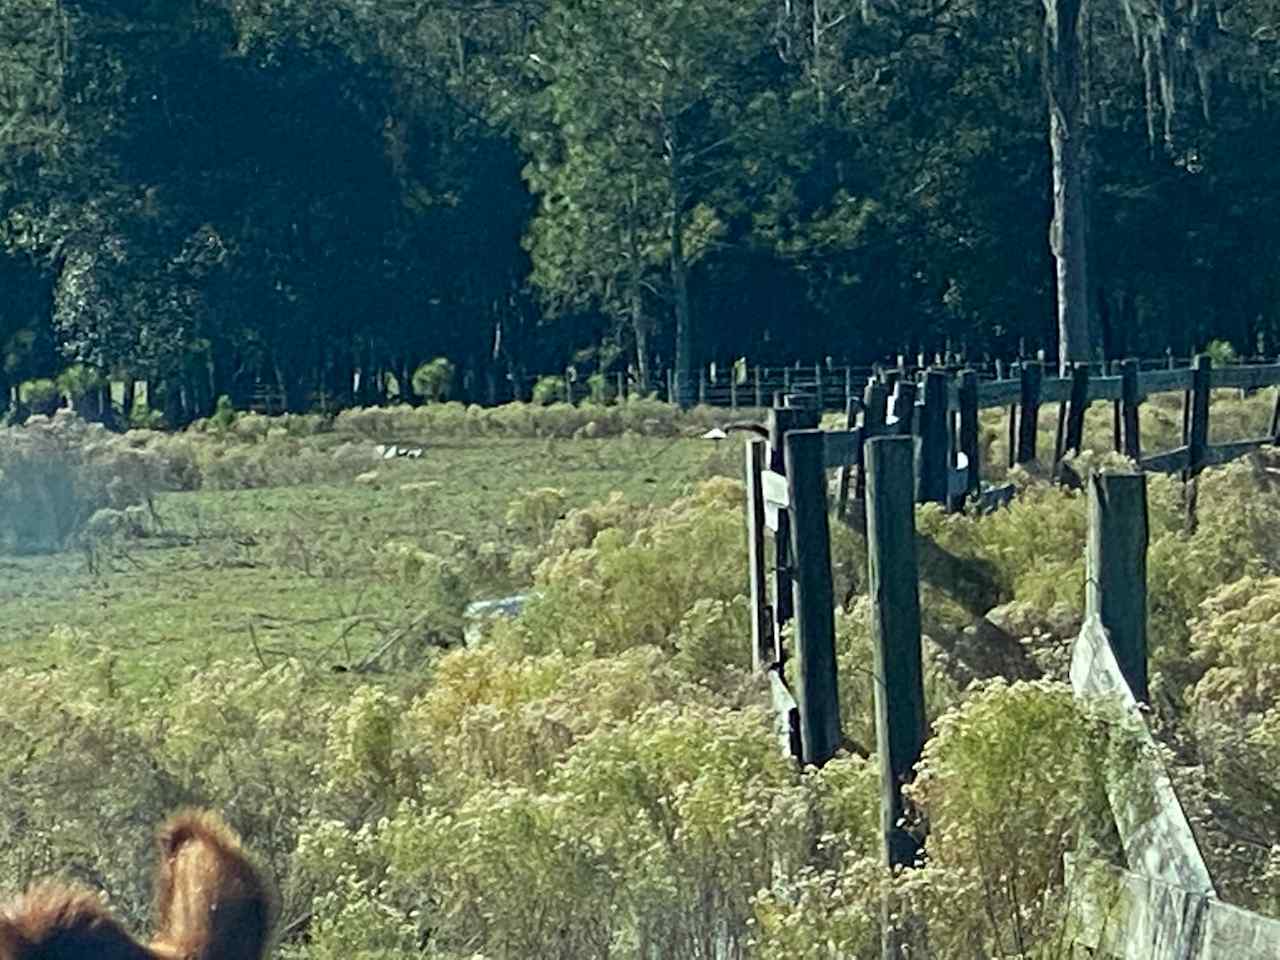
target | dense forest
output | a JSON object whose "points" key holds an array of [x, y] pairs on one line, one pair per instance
{"points": [[210, 196]]}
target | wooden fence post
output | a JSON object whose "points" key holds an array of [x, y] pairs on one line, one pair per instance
{"points": [[893, 583], [817, 376], [969, 443], [904, 408], [1079, 403], [934, 443], [782, 420], [763, 645], [850, 421], [815, 654], [1014, 370], [759, 389], [1029, 410], [733, 389], [1129, 400], [1198, 432], [875, 399], [1116, 570], [848, 385], [702, 386]]}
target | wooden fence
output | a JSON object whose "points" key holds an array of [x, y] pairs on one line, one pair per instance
{"points": [[941, 410], [1164, 905]]}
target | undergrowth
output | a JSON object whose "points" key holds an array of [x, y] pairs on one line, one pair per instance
{"points": [[598, 777]]}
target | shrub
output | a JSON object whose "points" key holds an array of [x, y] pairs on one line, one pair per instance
{"points": [[433, 380], [81, 788], [56, 473], [42, 397], [224, 415], [1010, 781], [638, 588], [549, 390]]}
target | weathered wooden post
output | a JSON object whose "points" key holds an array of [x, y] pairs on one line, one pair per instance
{"points": [[759, 388], [904, 408], [733, 389], [783, 420], [763, 645], [893, 583], [818, 391], [969, 440], [786, 379], [848, 385], [702, 386], [875, 400], [1076, 408], [934, 446], [1129, 401], [1029, 413], [1198, 431], [1116, 570], [1014, 371], [671, 387], [850, 421], [814, 676]]}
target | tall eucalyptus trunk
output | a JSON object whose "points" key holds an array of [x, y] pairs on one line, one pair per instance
{"points": [[1067, 74]]}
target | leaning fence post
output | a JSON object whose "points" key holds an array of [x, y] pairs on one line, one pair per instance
{"points": [[893, 582], [1198, 433], [763, 646], [815, 644], [1116, 570]]}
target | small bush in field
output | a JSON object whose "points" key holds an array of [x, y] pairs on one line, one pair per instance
{"points": [[549, 390], [433, 380], [1013, 762], [640, 587], [55, 473], [535, 513]]}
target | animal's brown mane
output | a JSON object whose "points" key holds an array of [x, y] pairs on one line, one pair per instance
{"points": [[211, 903]]}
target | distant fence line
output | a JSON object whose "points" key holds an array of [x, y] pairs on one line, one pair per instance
{"points": [[739, 384]]}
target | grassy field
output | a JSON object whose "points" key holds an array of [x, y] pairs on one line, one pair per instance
{"points": [[596, 778], [298, 571], [302, 569]]}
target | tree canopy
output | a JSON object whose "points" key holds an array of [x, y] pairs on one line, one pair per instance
{"points": [[222, 196]]}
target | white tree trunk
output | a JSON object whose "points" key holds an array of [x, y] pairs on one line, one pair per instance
{"points": [[1066, 30]]}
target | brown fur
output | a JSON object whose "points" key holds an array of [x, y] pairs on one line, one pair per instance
{"points": [[211, 904]]}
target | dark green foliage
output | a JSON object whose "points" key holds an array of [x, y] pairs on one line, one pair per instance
{"points": [[297, 205]]}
